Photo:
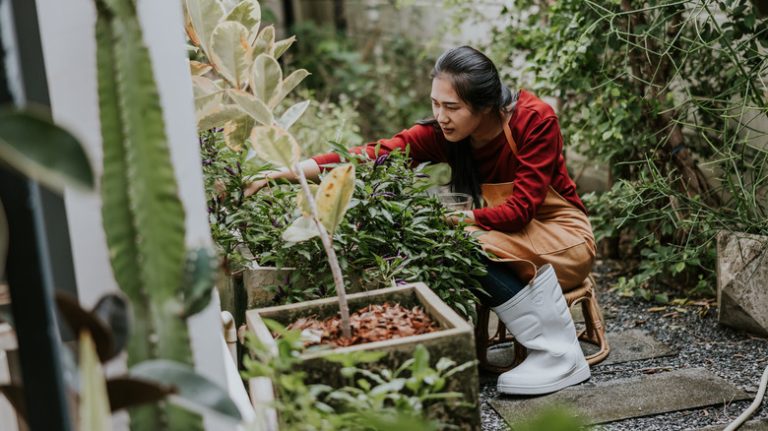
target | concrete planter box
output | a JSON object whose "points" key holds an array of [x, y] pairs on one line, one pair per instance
{"points": [[454, 340], [742, 274]]}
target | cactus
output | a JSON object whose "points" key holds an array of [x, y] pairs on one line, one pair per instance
{"points": [[142, 214]]}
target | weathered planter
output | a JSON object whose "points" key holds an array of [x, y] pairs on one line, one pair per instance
{"points": [[454, 340], [742, 274]]}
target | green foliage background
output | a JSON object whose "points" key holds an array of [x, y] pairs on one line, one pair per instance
{"points": [[669, 94]]}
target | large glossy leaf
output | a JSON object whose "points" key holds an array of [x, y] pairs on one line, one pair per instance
{"points": [[334, 195], [80, 320], [203, 86], [302, 229], [237, 132], [194, 389], [264, 43], [247, 13], [292, 114], [282, 46], [127, 392], [252, 106], [266, 77], [112, 309], [197, 69], [39, 149], [217, 115], [286, 86], [275, 145], [94, 404], [204, 16], [231, 53]]}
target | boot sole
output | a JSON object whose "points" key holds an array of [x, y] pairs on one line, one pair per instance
{"points": [[580, 375]]}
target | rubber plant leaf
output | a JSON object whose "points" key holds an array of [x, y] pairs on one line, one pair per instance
{"points": [[264, 43], [292, 114], [191, 390], [275, 145], [266, 77], [302, 229], [43, 151], [204, 15], [282, 45], [334, 195], [237, 132], [247, 13], [251, 106], [286, 86], [230, 52], [197, 68], [216, 115], [94, 404]]}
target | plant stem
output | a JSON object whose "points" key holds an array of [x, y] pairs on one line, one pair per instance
{"points": [[338, 279]]}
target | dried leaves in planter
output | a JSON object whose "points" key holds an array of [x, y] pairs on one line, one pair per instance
{"points": [[371, 323]]}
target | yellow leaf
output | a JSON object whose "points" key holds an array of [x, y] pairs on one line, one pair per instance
{"points": [[334, 195], [275, 145]]}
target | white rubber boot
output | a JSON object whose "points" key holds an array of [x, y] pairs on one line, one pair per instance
{"points": [[539, 318]]}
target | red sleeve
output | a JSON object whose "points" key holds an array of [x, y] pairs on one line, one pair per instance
{"points": [[536, 163], [424, 146]]}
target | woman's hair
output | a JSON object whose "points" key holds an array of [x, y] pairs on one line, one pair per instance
{"points": [[475, 79]]}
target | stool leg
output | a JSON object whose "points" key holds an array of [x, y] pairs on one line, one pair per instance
{"points": [[481, 335]]}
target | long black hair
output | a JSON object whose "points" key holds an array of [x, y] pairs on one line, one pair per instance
{"points": [[477, 82]]}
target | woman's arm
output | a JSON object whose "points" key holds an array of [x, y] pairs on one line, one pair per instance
{"points": [[311, 171]]}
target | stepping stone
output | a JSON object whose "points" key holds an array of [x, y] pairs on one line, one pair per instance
{"points": [[626, 346], [758, 425], [628, 398], [633, 345]]}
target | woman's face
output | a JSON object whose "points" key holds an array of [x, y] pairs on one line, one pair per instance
{"points": [[454, 115]]}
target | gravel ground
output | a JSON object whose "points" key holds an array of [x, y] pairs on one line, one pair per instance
{"points": [[700, 341]]}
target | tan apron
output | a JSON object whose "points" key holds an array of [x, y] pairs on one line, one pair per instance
{"points": [[559, 234]]}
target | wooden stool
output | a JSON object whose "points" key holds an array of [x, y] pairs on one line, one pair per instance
{"points": [[594, 333]]}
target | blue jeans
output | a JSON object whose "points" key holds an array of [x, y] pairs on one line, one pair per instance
{"points": [[499, 286]]}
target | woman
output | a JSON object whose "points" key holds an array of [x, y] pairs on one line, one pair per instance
{"points": [[506, 148]]}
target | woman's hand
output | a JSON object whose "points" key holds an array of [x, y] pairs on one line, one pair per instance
{"points": [[460, 216], [255, 186]]}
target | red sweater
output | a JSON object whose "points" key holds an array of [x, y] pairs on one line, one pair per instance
{"points": [[538, 165]]}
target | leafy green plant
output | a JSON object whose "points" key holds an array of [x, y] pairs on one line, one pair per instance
{"points": [[407, 397], [250, 88], [669, 94], [394, 232], [385, 78]]}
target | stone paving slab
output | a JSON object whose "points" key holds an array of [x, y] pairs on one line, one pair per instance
{"points": [[759, 425], [626, 346], [628, 398], [634, 345]]}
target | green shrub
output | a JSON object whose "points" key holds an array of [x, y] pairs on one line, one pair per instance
{"points": [[669, 94], [386, 79], [393, 232]]}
